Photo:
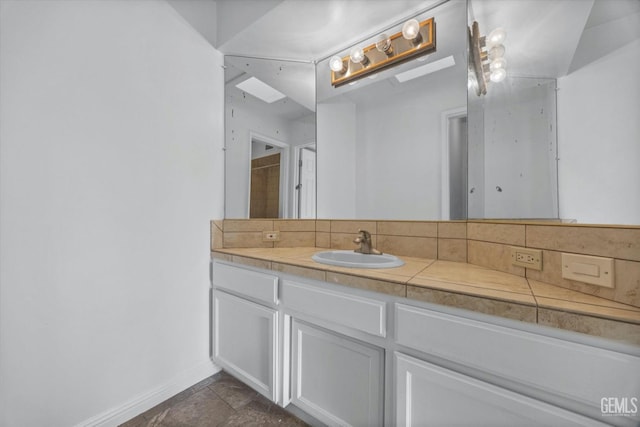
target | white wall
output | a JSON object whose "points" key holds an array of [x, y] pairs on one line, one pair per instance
{"points": [[598, 171], [111, 168], [336, 160]]}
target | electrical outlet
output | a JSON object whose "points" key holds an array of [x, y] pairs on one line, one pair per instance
{"points": [[270, 236], [528, 258]]}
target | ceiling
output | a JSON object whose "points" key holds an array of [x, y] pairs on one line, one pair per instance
{"points": [[310, 30], [545, 38]]}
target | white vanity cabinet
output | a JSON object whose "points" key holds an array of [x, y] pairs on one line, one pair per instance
{"points": [[352, 357], [245, 325]]}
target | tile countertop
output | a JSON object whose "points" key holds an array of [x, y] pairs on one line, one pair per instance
{"points": [[460, 285]]}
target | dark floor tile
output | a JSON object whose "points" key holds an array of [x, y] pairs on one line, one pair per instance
{"points": [[261, 412], [139, 421], [184, 394], [204, 383], [232, 391], [202, 409]]}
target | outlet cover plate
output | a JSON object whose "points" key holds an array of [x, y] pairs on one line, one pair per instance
{"points": [[588, 269], [525, 257]]}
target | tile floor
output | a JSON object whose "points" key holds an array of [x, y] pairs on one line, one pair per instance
{"points": [[219, 400]]}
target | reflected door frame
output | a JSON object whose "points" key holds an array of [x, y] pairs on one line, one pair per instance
{"points": [[284, 172], [296, 181], [444, 149]]}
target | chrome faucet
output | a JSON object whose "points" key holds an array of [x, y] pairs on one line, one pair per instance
{"points": [[364, 240]]}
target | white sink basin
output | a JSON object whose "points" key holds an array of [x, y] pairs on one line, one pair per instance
{"points": [[357, 260]]}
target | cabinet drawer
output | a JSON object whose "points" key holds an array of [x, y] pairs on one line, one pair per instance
{"points": [[360, 313], [263, 287], [580, 372]]}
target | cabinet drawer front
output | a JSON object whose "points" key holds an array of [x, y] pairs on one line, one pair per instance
{"points": [[356, 312], [428, 394], [579, 372], [263, 287]]}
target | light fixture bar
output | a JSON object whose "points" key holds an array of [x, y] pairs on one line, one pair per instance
{"points": [[375, 60], [476, 58], [423, 70], [260, 90]]}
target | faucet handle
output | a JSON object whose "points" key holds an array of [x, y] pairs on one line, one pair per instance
{"points": [[364, 233]]}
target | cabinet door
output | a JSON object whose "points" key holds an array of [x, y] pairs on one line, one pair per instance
{"points": [[427, 394], [337, 380], [244, 341]]}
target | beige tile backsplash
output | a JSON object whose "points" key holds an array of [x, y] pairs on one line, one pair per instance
{"points": [[420, 247], [509, 234], [492, 255], [482, 243], [408, 228], [452, 230], [621, 243], [452, 249]]}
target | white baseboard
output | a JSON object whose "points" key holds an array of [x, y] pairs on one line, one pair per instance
{"points": [[145, 401]]}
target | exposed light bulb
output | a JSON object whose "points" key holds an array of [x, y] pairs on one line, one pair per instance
{"points": [[336, 64], [411, 29], [357, 56], [498, 75], [496, 37], [496, 51], [498, 63], [383, 44]]}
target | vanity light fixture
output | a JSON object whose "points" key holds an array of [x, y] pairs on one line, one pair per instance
{"points": [[486, 58], [416, 39]]}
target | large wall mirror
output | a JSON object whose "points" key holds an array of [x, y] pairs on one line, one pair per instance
{"points": [[270, 138], [393, 145], [560, 136]]}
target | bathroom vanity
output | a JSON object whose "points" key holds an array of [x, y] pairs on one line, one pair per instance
{"points": [[368, 357]]}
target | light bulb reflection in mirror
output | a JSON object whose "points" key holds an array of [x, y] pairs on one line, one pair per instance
{"points": [[496, 51], [336, 64], [498, 75], [498, 63], [496, 36]]}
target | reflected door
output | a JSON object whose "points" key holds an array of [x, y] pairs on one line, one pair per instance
{"points": [[307, 183], [458, 168]]}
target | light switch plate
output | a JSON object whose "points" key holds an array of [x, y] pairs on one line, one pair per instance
{"points": [[588, 269], [525, 257]]}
